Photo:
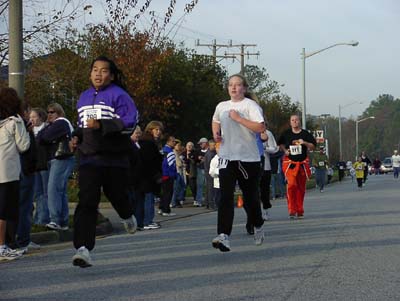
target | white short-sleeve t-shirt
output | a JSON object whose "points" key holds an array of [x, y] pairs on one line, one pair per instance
{"points": [[238, 142]]}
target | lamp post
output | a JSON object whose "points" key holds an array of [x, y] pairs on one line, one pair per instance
{"points": [[305, 55], [357, 122], [340, 127]]}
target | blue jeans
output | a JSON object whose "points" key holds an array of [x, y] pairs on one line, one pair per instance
{"points": [[277, 184], [179, 190], [200, 183], [59, 172], [25, 209], [42, 215], [396, 171], [148, 208], [320, 175]]}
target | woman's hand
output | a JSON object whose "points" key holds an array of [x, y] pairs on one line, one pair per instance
{"points": [[264, 137], [234, 115]]}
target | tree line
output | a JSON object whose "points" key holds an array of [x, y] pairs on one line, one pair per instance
{"points": [[172, 83]]}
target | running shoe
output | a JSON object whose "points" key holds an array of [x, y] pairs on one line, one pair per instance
{"points": [[130, 224], [9, 254], [82, 258], [221, 242], [259, 235], [265, 215]]}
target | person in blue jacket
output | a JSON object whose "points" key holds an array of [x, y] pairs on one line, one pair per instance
{"points": [[169, 173], [107, 116]]}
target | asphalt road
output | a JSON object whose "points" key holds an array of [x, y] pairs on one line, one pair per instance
{"points": [[346, 248]]}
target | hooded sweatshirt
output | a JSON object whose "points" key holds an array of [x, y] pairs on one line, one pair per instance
{"points": [[14, 140]]}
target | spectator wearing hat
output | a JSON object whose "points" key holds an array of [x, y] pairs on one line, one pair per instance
{"points": [[203, 143]]}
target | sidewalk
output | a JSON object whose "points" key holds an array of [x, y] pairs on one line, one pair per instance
{"points": [[112, 224]]}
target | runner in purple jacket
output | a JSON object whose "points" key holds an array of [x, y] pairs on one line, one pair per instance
{"points": [[107, 117]]}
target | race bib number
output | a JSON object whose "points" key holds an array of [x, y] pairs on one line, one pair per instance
{"points": [[222, 163], [321, 163], [295, 149], [91, 114]]}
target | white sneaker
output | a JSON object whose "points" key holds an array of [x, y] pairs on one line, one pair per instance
{"points": [[152, 226], [168, 214], [221, 242], [259, 235], [53, 226], [195, 203], [265, 215], [130, 224], [33, 246], [82, 258], [30, 247], [9, 254]]}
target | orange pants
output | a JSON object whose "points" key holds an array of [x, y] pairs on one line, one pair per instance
{"points": [[296, 174]]}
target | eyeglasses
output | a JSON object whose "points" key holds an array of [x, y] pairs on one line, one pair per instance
{"points": [[51, 112]]}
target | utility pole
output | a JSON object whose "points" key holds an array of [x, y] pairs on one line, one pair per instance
{"points": [[15, 68], [242, 54], [214, 47]]}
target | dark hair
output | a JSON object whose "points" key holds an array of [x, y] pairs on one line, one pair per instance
{"points": [[119, 78], [10, 103]]}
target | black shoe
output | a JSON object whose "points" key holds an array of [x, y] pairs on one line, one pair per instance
{"points": [[250, 229]]}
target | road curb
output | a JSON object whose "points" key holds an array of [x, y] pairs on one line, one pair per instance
{"points": [[54, 236]]}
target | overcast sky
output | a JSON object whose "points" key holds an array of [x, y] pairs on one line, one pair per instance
{"points": [[281, 28]]}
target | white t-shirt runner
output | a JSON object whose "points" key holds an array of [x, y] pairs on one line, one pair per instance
{"points": [[238, 142], [396, 160]]}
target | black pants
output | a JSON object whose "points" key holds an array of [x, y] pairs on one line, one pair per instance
{"points": [[265, 184], [365, 174], [341, 174], [247, 174], [192, 183], [167, 188], [359, 182], [92, 179]]}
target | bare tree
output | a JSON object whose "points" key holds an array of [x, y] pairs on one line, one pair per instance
{"points": [[42, 20]]}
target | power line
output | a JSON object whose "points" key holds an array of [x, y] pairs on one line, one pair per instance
{"points": [[214, 46]]}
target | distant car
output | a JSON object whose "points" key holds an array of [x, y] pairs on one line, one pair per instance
{"points": [[387, 165], [371, 170]]}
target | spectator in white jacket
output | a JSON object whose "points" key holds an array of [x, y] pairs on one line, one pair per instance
{"points": [[270, 147], [214, 173], [14, 140]]}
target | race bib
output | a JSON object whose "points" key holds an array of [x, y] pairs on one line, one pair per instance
{"points": [[91, 114], [321, 163], [341, 167], [222, 163], [295, 149]]}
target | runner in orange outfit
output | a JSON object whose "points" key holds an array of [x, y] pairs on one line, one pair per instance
{"points": [[295, 142]]}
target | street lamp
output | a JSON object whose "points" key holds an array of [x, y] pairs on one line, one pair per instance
{"points": [[357, 122], [305, 55], [340, 127]]}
